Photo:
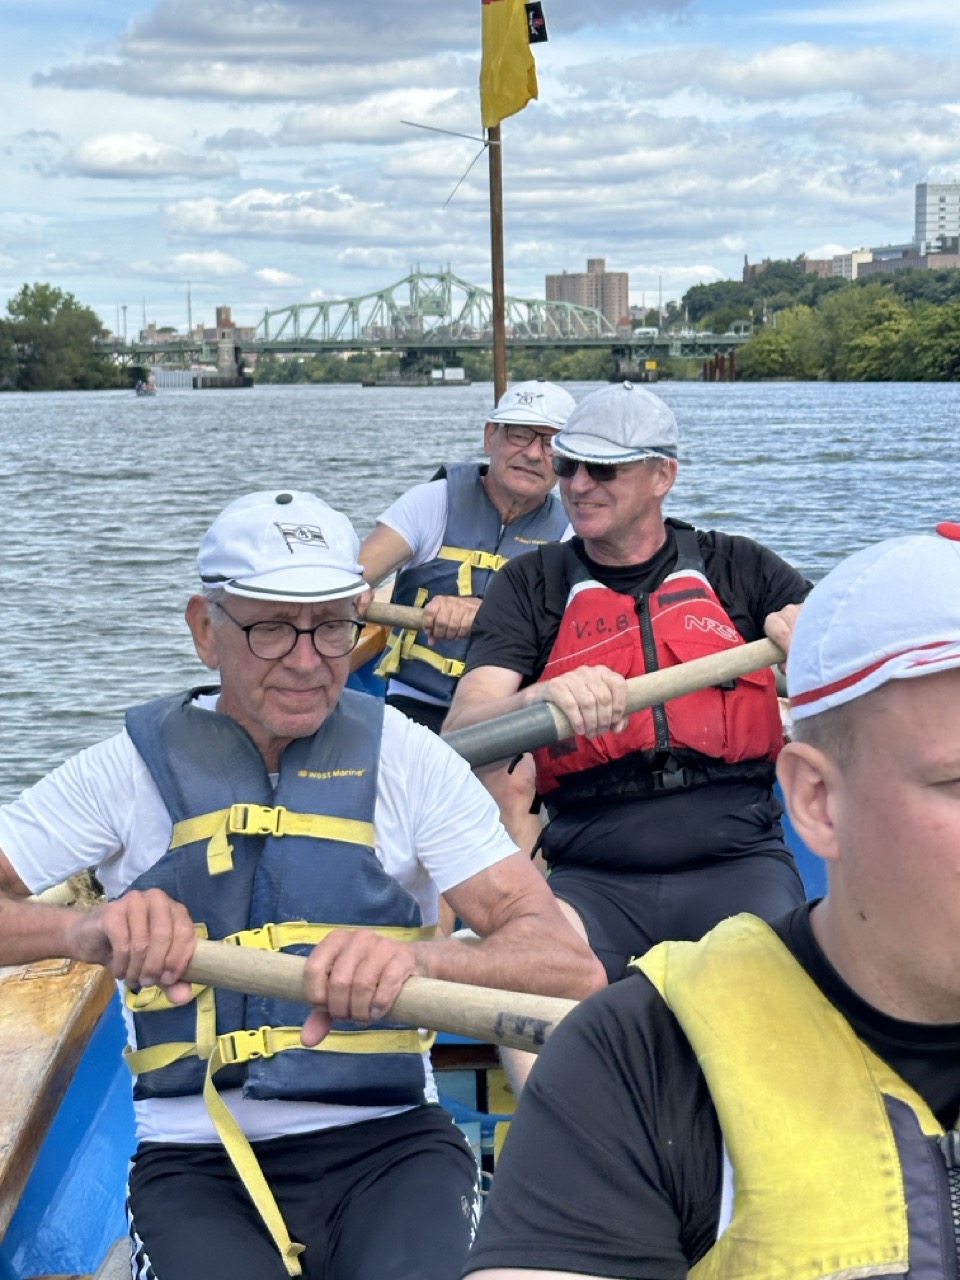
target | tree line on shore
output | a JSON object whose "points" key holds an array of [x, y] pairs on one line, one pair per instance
{"points": [[48, 343], [899, 327]]}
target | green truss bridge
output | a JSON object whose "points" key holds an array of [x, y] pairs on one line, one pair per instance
{"points": [[430, 319]]}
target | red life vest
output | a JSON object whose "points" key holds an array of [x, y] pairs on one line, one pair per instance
{"points": [[680, 620]]}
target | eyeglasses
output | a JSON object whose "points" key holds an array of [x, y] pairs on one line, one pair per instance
{"points": [[599, 472], [523, 437], [271, 640]]}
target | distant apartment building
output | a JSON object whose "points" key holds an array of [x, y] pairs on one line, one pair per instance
{"points": [[937, 214], [847, 265], [608, 291]]}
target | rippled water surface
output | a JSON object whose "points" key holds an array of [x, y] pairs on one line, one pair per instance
{"points": [[105, 498]]}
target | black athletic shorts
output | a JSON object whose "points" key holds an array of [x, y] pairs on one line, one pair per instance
{"points": [[391, 1199], [625, 913]]}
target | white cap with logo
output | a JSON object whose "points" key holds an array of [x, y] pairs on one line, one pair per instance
{"points": [[285, 545], [534, 403], [888, 612]]}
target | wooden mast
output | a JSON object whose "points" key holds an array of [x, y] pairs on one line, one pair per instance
{"points": [[496, 262]]}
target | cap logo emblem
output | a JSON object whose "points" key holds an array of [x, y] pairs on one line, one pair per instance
{"points": [[309, 534], [528, 397]]}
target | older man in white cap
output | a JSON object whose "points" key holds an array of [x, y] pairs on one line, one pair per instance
{"points": [[782, 1101], [665, 823], [448, 538], [280, 810]]}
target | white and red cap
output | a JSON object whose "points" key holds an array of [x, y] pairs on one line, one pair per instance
{"points": [[285, 545], [888, 612]]}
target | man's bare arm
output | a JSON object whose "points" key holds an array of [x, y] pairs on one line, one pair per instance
{"points": [[526, 944], [382, 552], [142, 937]]}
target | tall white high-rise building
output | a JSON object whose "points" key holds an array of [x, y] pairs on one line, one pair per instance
{"points": [[938, 212]]}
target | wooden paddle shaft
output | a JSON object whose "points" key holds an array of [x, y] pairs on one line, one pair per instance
{"points": [[394, 615], [513, 1018], [543, 722]]}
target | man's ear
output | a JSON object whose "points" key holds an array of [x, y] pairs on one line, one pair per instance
{"points": [[489, 431], [203, 631], [809, 780]]}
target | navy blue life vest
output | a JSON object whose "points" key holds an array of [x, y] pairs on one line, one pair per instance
{"points": [[475, 545], [317, 866]]}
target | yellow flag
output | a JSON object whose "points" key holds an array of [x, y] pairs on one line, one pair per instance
{"points": [[508, 73]]}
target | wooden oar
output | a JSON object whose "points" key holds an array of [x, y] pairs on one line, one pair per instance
{"points": [[394, 615], [513, 1018], [542, 722]]}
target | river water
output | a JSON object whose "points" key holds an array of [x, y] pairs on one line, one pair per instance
{"points": [[105, 497]]}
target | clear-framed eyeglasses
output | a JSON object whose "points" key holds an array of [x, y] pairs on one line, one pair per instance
{"points": [[334, 638], [523, 437]]}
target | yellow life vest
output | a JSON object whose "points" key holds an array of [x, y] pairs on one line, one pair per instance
{"points": [[821, 1134]]}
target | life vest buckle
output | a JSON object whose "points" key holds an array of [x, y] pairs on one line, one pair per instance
{"points": [[672, 777], [255, 820], [244, 1046]]}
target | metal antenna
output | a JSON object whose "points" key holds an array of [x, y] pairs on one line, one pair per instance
{"points": [[453, 134]]}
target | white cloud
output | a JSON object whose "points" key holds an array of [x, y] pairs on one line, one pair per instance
{"points": [[141, 156], [372, 257], [271, 276], [193, 266], [298, 215]]}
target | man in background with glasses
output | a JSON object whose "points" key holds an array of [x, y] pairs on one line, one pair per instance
{"points": [[665, 822], [281, 811], [448, 538]]}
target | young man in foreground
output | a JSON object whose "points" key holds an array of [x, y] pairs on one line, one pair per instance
{"points": [[781, 1100]]}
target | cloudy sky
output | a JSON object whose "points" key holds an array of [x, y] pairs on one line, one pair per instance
{"points": [[258, 150]]}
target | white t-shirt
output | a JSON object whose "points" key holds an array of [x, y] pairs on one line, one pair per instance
{"points": [[420, 518], [435, 827]]}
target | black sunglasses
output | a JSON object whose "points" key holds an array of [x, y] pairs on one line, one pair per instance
{"points": [[599, 472]]}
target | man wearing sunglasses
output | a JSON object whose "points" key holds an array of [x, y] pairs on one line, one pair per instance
{"points": [[665, 822], [448, 538], [281, 811]]}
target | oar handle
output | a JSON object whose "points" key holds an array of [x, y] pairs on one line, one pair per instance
{"points": [[513, 1018], [543, 722], [395, 615]]}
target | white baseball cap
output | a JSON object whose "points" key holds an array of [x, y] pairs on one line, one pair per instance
{"points": [[282, 546], [535, 403], [888, 612], [619, 423]]}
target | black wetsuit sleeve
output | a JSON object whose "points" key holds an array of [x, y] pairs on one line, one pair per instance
{"points": [[513, 628], [612, 1164]]}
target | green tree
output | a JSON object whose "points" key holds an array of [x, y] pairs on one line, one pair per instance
{"points": [[929, 349], [859, 331], [786, 348], [54, 338]]}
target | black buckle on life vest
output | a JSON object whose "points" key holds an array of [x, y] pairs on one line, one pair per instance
{"points": [[672, 777]]}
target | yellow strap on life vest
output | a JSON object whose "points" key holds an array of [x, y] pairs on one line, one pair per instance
{"points": [[273, 937], [403, 644], [262, 820], [245, 1046], [248, 1169], [470, 560]]}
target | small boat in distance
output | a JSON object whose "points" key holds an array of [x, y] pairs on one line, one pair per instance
{"points": [[146, 387], [453, 377]]}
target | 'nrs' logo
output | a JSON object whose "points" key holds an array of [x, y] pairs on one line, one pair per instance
{"points": [[711, 624], [305, 533]]}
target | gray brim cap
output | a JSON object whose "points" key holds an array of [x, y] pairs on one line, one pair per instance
{"points": [[619, 423]]}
